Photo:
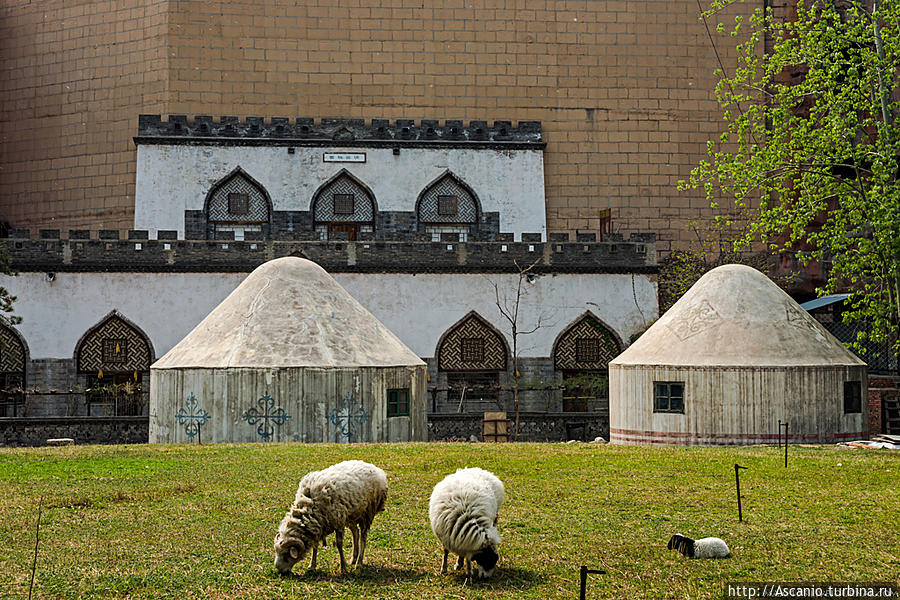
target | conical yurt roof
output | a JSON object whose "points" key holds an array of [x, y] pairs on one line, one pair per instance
{"points": [[735, 316], [289, 313]]}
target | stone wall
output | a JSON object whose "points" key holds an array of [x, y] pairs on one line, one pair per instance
{"points": [[533, 427], [83, 430]]}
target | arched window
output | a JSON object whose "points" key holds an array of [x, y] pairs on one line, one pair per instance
{"points": [[114, 359], [581, 354], [473, 354], [13, 356], [343, 205], [238, 203], [447, 205]]}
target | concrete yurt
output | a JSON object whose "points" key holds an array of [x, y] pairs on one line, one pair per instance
{"points": [[733, 357], [289, 355]]}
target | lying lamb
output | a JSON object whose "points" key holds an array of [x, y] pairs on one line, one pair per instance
{"points": [[348, 494], [463, 512], [711, 547]]}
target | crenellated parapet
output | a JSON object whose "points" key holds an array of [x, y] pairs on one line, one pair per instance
{"points": [[179, 129], [105, 251]]}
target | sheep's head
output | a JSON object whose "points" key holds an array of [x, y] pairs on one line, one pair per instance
{"points": [[486, 561], [288, 551]]}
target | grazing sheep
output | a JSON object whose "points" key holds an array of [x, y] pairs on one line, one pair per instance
{"points": [[463, 512], [348, 494], [711, 547]]}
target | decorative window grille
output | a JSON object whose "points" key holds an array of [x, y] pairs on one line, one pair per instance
{"points": [[852, 397], [471, 350], [668, 396], [447, 201], [238, 203], [447, 205], [587, 350], [343, 204], [115, 350], [398, 403]]}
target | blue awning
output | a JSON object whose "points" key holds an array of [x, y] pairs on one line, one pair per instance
{"points": [[824, 301]]}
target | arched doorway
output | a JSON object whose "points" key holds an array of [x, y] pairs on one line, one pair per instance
{"points": [[13, 357], [581, 356], [113, 359], [473, 354], [239, 204], [344, 205], [447, 205]]}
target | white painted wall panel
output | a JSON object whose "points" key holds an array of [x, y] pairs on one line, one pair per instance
{"points": [[417, 308], [172, 179]]}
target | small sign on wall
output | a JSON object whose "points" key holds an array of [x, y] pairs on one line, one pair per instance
{"points": [[344, 157]]}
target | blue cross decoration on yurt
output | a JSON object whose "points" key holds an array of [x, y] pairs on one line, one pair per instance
{"points": [[191, 416], [348, 417], [266, 417]]}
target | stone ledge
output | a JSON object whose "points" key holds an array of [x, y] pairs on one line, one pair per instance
{"points": [[179, 129], [55, 255]]}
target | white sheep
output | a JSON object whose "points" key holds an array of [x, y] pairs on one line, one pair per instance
{"points": [[463, 511], [711, 547], [348, 494]]}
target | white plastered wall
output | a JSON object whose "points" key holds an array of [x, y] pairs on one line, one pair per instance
{"points": [[417, 308], [174, 178]]}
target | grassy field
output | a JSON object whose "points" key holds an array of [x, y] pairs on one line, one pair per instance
{"points": [[198, 521]]}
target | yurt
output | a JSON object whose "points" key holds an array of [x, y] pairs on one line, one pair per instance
{"points": [[289, 355], [733, 357]]}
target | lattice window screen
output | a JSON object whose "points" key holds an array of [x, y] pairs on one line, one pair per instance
{"points": [[472, 346], [587, 346], [238, 200], [95, 347], [329, 202], [12, 352], [431, 205]]}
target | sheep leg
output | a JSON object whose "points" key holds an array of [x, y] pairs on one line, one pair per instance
{"points": [[444, 564], [354, 531], [339, 542], [363, 536], [312, 564], [459, 562], [468, 569]]}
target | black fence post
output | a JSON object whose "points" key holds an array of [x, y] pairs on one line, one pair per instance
{"points": [[584, 573], [737, 481]]}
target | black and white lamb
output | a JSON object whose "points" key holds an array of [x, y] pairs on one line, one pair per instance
{"points": [[711, 547], [348, 494], [463, 512]]}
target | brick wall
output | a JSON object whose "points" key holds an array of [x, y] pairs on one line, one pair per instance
{"points": [[75, 76], [624, 91]]}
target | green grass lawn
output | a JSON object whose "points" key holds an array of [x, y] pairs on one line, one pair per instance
{"points": [[198, 521]]}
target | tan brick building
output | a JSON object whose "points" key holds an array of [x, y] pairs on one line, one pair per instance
{"points": [[624, 91]]}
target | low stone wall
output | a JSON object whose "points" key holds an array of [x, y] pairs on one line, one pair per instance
{"points": [[533, 427], [84, 430]]}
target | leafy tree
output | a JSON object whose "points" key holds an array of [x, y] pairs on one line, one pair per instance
{"points": [[7, 299], [812, 145]]}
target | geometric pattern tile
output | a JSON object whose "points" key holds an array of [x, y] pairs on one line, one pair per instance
{"points": [[586, 346], [12, 352], [429, 205], [457, 349], [91, 353], [362, 205], [254, 210]]}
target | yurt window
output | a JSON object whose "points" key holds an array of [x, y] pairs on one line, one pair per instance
{"points": [[398, 403], [852, 397], [668, 396]]}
